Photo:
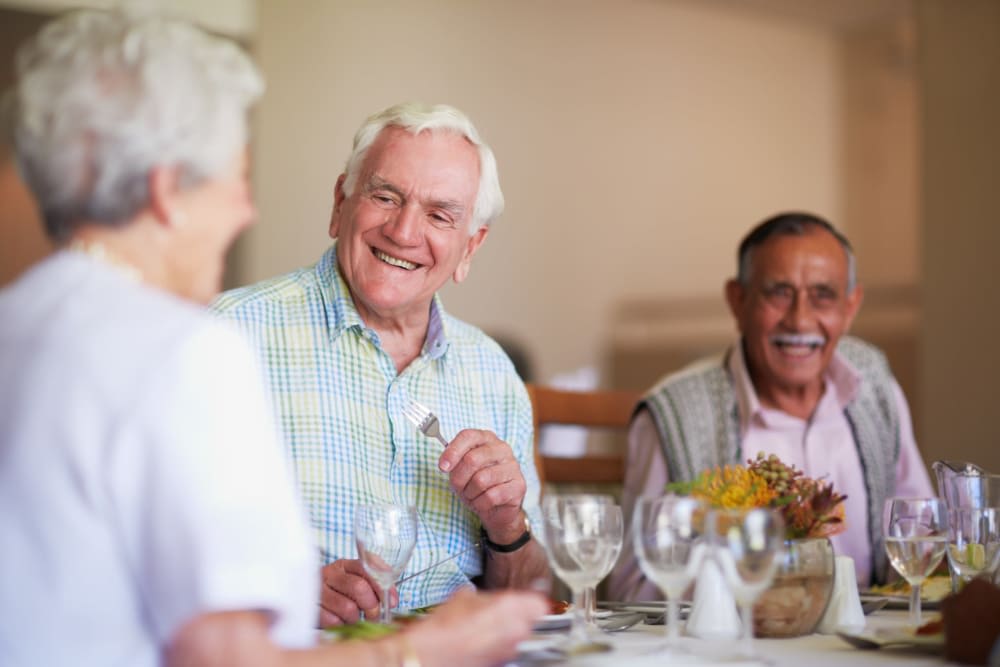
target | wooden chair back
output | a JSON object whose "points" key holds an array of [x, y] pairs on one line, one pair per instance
{"points": [[593, 409]]}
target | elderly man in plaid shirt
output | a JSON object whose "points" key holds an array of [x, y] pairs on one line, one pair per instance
{"points": [[348, 342]]}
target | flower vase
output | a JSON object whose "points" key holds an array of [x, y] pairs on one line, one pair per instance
{"points": [[803, 584], [713, 611]]}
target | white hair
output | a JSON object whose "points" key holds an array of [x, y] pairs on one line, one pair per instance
{"points": [[415, 118], [103, 97]]}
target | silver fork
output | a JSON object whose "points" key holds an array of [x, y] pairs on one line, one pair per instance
{"points": [[475, 545], [425, 420]]}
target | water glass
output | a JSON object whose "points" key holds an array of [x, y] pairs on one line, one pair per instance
{"points": [[583, 536], [385, 535], [916, 538], [590, 592], [749, 547], [668, 533], [973, 542]]}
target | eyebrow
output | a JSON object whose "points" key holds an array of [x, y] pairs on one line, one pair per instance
{"points": [[376, 182]]}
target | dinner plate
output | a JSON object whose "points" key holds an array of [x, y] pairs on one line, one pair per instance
{"points": [[903, 638], [934, 589], [653, 609], [554, 621], [898, 601], [564, 620]]}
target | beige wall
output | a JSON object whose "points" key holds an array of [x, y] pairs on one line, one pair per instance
{"points": [[882, 151], [637, 141], [960, 350]]}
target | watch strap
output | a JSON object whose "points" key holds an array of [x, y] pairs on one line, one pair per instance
{"points": [[507, 548]]}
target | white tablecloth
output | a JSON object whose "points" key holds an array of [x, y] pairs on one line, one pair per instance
{"points": [[632, 648]]}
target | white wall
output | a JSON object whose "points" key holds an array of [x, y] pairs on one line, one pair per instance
{"points": [[637, 141]]}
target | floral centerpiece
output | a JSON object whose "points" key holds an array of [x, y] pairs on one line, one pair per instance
{"points": [[812, 512], [810, 507]]}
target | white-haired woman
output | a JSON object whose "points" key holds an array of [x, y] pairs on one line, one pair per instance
{"points": [[146, 514]]}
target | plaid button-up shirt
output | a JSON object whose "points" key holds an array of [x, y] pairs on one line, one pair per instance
{"points": [[339, 403]]}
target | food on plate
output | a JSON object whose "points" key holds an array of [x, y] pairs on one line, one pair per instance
{"points": [[361, 630], [932, 627], [559, 606], [934, 589]]}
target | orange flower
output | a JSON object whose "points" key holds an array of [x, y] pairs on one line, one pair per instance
{"points": [[809, 507]]}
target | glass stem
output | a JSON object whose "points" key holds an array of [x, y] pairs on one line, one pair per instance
{"points": [[385, 615], [915, 605], [673, 621], [746, 640], [589, 606], [578, 630]]}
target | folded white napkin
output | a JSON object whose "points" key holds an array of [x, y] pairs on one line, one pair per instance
{"points": [[844, 611], [713, 613]]}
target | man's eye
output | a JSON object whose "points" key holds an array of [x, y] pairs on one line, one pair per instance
{"points": [[823, 296]]}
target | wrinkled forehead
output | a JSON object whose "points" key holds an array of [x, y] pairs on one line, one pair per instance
{"points": [[813, 257], [436, 160]]}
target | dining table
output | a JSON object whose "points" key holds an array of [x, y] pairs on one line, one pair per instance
{"points": [[642, 645]]}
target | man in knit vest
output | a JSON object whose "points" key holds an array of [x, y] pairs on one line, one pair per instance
{"points": [[793, 385]]}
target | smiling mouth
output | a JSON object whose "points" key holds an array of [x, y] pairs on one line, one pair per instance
{"points": [[798, 344], [394, 261]]}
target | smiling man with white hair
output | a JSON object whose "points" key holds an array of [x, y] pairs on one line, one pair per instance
{"points": [[794, 386], [349, 342]]}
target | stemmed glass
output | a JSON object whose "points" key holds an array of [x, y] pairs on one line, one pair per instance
{"points": [[973, 542], [385, 535], [616, 534], [582, 538], [916, 538], [750, 545], [668, 533]]}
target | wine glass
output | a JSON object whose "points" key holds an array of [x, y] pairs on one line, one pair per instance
{"points": [[590, 592], [583, 535], [385, 535], [668, 533], [749, 546], [916, 538], [973, 542]]}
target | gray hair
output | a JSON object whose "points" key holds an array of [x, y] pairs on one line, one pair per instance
{"points": [[790, 224], [103, 97], [415, 118]]}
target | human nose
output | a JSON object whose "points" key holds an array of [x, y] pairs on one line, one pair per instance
{"points": [[405, 226], [800, 310]]}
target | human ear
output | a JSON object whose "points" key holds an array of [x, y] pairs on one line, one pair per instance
{"points": [[164, 195], [471, 246], [338, 206]]}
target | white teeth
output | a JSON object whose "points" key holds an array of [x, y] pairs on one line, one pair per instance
{"points": [[395, 261], [799, 345]]}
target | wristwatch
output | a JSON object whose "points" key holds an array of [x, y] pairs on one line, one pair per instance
{"points": [[507, 548]]}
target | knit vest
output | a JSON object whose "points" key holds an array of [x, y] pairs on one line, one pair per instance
{"points": [[696, 415]]}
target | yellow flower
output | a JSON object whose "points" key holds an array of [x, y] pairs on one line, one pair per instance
{"points": [[733, 487], [809, 507]]}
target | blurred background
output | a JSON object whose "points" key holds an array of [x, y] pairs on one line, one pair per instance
{"points": [[638, 140]]}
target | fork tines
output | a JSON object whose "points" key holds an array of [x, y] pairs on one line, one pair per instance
{"points": [[418, 414]]}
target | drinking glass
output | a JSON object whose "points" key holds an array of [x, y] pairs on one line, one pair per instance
{"points": [[749, 546], [385, 535], [916, 538], [668, 533], [590, 592], [583, 535], [973, 542]]}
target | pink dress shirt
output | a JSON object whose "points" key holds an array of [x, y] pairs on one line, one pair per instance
{"points": [[822, 446]]}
